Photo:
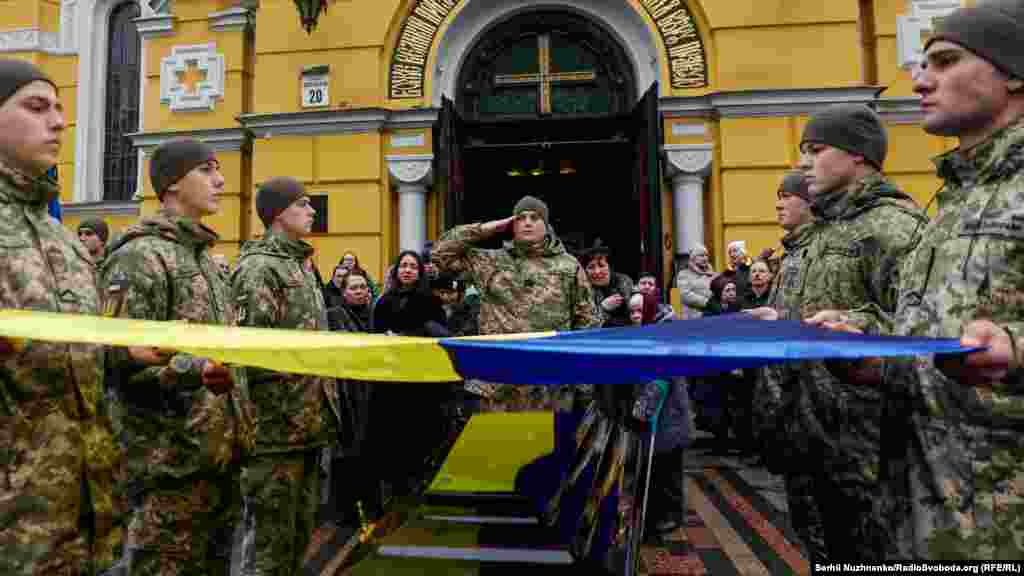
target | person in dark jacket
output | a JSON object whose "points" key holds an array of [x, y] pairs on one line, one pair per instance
{"points": [[611, 289], [647, 283], [462, 318], [354, 309], [408, 308], [666, 508], [716, 394], [358, 478], [760, 284]]}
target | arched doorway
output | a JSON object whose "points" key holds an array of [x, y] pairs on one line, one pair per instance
{"points": [[546, 104]]}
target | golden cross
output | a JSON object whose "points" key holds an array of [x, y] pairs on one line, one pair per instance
{"points": [[545, 78], [191, 76]]}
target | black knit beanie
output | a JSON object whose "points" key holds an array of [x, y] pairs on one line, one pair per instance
{"points": [[795, 183], [530, 203], [97, 225], [172, 160], [275, 196], [993, 29], [854, 128], [16, 73]]}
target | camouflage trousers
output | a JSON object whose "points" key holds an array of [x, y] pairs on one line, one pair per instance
{"points": [[805, 516], [185, 527], [833, 513], [282, 496], [48, 507], [965, 500]]}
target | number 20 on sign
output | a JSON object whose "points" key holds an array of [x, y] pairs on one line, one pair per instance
{"points": [[314, 91]]}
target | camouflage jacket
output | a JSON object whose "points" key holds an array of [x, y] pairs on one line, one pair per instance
{"points": [[848, 258], [694, 291], [787, 282], [53, 421], [619, 284], [969, 265], [521, 290], [160, 269], [273, 288]]}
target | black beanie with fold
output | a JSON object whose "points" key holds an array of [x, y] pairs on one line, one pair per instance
{"points": [[854, 128], [992, 29], [172, 160], [275, 196], [14, 74]]}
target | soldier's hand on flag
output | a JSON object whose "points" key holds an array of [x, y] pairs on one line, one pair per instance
{"points": [[986, 367], [866, 371], [150, 356], [762, 313], [217, 377], [11, 347]]}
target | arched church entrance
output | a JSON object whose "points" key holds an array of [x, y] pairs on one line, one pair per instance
{"points": [[547, 105]]}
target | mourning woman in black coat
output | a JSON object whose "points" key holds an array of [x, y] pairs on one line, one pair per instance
{"points": [[409, 308]]}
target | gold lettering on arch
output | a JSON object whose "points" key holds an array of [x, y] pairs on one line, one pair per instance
{"points": [[684, 50], [687, 63], [409, 61]]}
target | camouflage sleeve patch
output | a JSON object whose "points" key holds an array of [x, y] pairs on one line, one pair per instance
{"points": [[136, 280], [114, 295]]}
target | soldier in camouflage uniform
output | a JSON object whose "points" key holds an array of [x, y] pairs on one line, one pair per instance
{"points": [[187, 424], [93, 233], [863, 228], [296, 416], [531, 284], [953, 488], [794, 214], [58, 458]]}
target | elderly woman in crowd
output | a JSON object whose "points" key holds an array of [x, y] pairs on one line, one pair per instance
{"points": [[694, 283], [666, 509]]}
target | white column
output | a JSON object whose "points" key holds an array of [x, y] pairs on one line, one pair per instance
{"points": [[687, 210], [688, 165], [410, 176]]}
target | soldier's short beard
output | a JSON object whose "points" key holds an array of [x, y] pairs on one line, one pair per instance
{"points": [[953, 124]]}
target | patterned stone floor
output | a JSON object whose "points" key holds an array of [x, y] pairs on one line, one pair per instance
{"points": [[737, 525]]}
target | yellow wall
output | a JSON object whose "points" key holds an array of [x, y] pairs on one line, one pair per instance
{"points": [[349, 169]]}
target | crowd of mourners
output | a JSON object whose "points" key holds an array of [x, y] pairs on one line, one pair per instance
{"points": [[153, 461]]}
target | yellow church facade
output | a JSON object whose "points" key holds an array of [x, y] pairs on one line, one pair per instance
{"points": [[403, 117]]}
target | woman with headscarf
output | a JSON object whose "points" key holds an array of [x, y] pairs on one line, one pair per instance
{"points": [[666, 507], [694, 282]]}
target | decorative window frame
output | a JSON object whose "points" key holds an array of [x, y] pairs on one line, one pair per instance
{"points": [[89, 37], [207, 91]]}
